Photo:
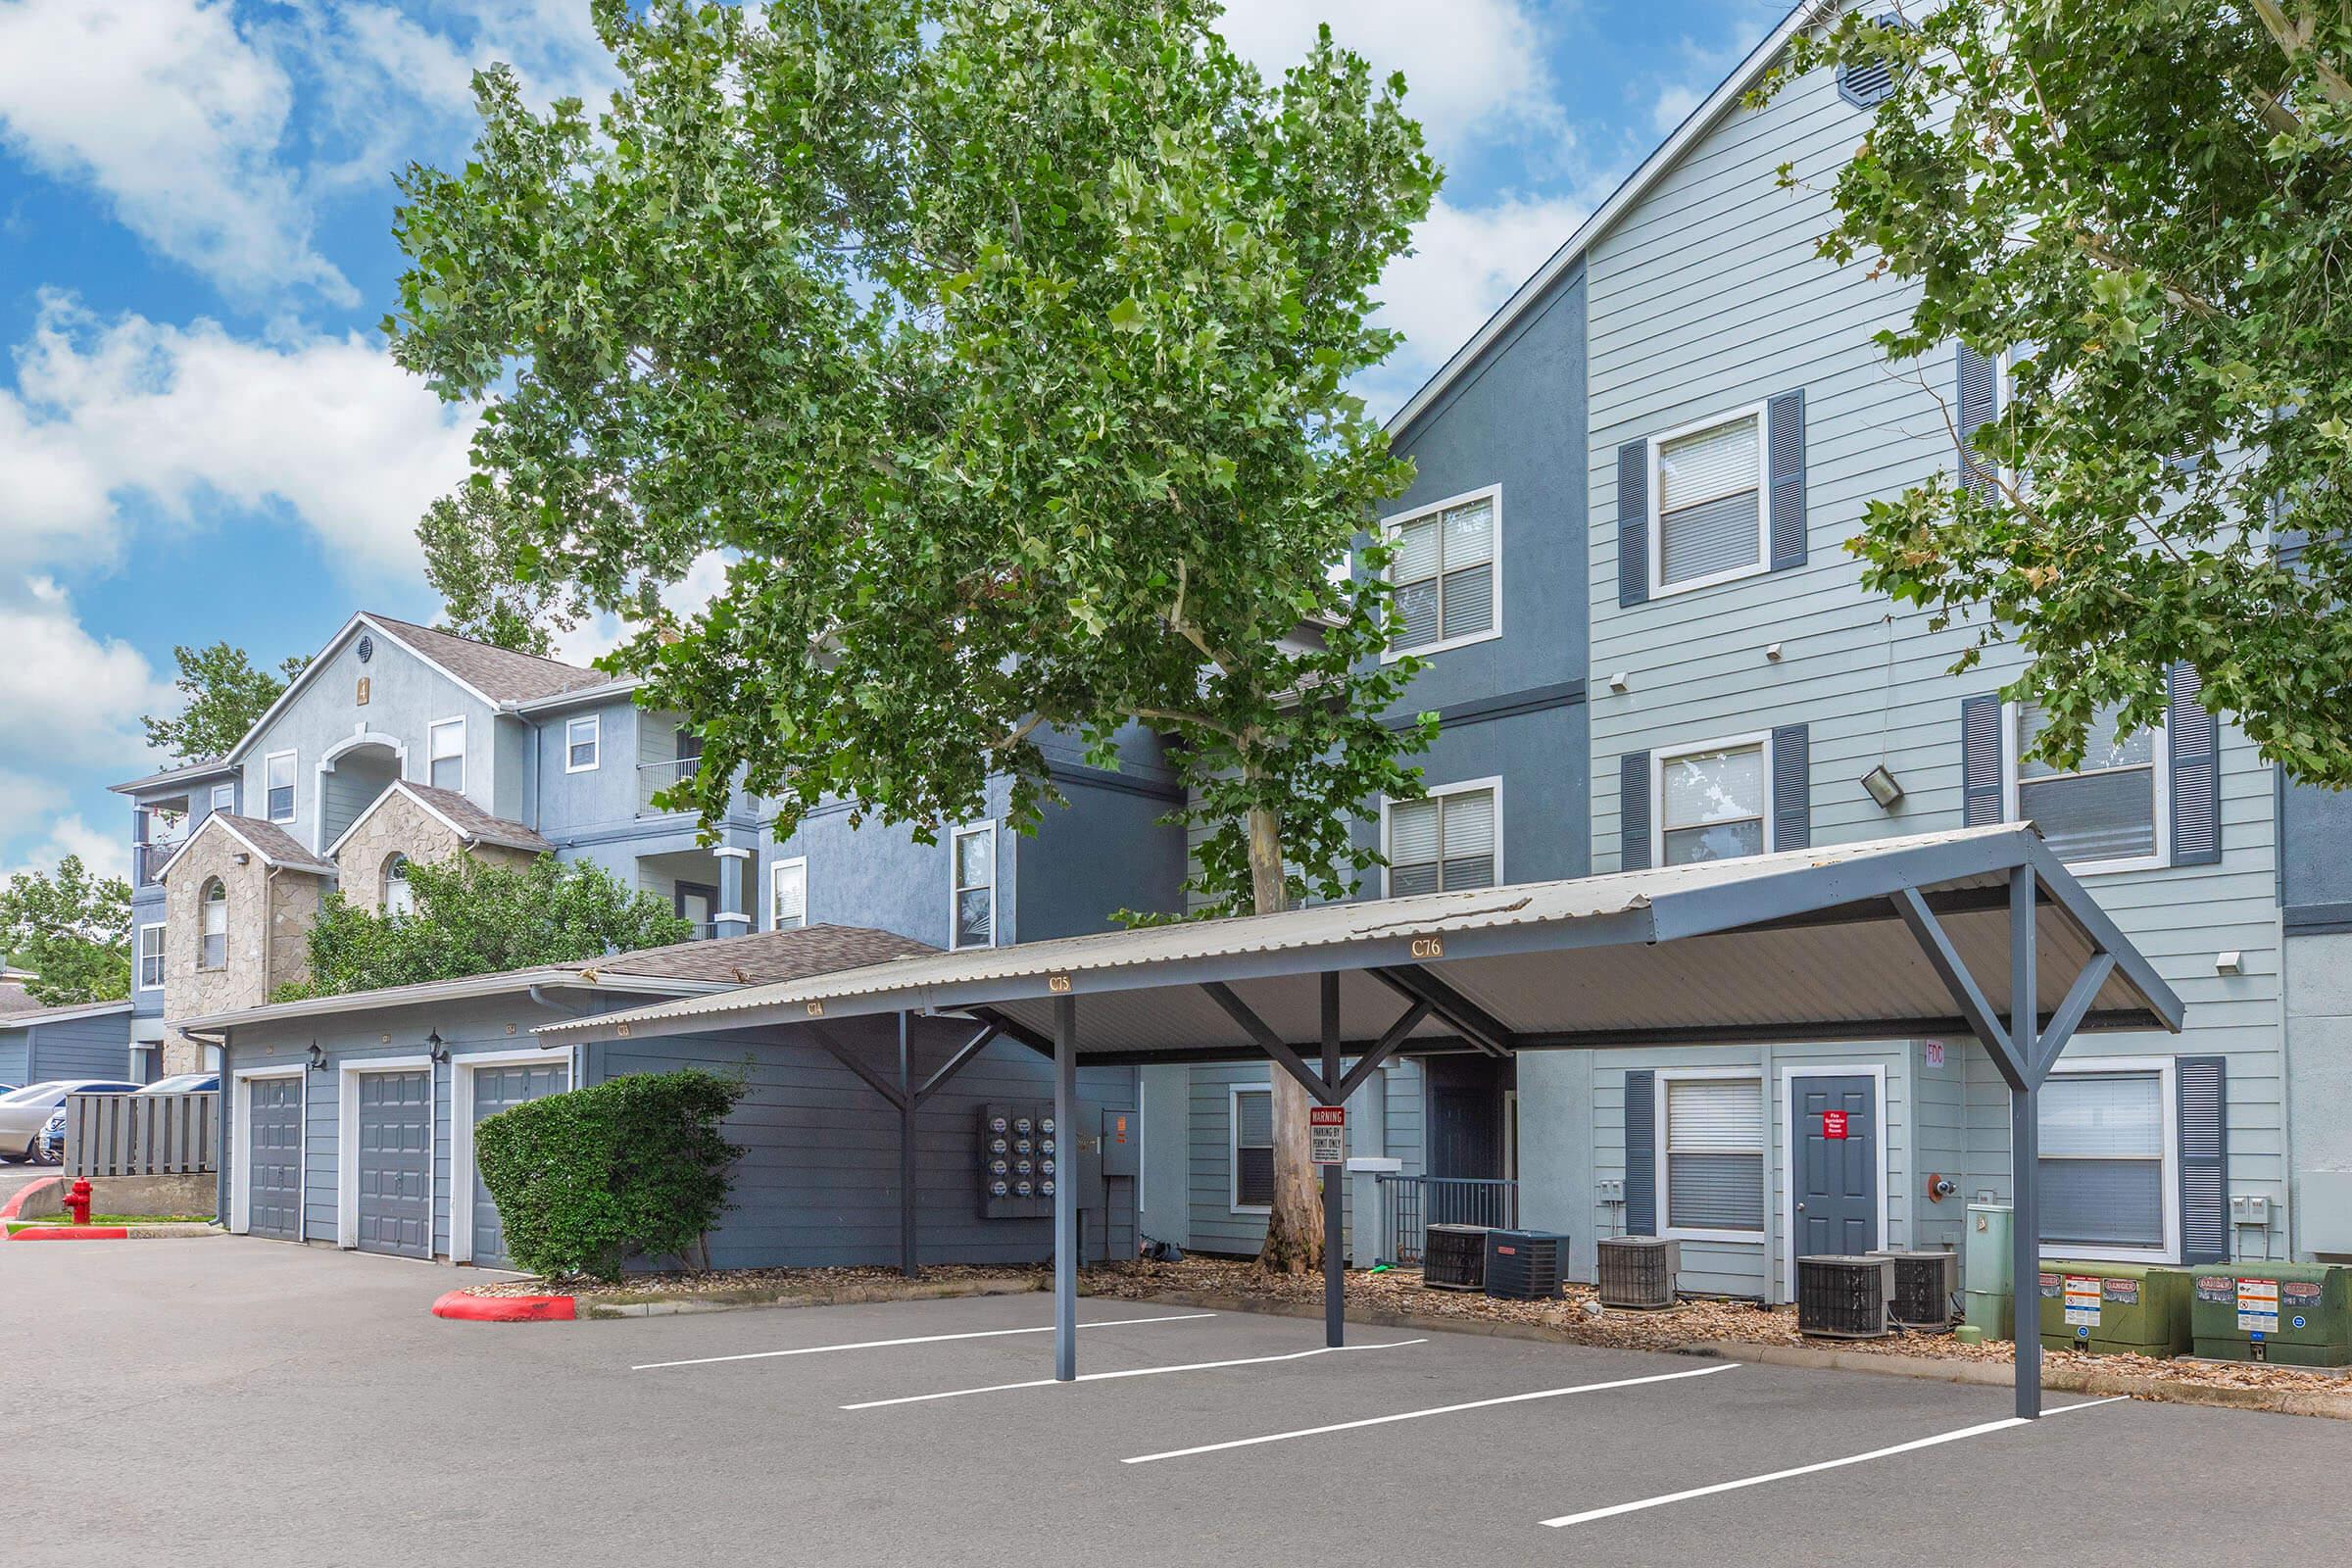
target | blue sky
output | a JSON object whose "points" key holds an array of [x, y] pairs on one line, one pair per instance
{"points": [[202, 438]]}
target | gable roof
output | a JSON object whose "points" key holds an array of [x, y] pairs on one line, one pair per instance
{"points": [[497, 674], [1635, 186], [185, 772], [453, 811], [61, 1013], [278, 847]]}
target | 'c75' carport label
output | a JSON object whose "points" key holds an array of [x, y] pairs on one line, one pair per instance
{"points": [[2258, 1305]]}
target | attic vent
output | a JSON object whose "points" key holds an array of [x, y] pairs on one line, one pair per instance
{"points": [[1867, 83]]}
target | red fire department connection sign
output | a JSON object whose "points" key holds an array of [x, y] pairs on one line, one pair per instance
{"points": [[1832, 1124]]}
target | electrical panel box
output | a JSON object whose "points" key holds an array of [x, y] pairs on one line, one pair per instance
{"points": [[1612, 1189], [2293, 1314], [2250, 1208], [1020, 1160], [1122, 1144], [2112, 1309]]}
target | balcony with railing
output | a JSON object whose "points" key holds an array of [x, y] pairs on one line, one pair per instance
{"points": [[148, 860], [655, 778]]}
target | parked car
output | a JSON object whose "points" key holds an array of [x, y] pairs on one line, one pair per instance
{"points": [[184, 1083], [25, 1114]]}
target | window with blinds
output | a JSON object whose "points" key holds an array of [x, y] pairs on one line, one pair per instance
{"points": [[2102, 1160], [1711, 805], [1443, 574], [1709, 499], [1442, 843], [973, 895], [788, 895], [2106, 809], [1253, 1149], [1714, 1165]]}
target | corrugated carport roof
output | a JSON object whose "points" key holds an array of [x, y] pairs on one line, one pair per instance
{"points": [[1805, 945]]}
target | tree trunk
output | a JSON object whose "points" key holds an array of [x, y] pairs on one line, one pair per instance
{"points": [[1295, 1227]]}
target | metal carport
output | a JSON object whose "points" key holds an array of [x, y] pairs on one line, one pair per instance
{"points": [[1893, 938]]}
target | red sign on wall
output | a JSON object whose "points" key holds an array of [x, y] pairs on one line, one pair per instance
{"points": [[1832, 1124]]}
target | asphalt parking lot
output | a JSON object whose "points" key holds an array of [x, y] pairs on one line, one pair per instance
{"points": [[250, 1402]]}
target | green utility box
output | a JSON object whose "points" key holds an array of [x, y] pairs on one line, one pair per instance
{"points": [[2294, 1314], [2114, 1309], [1984, 1272]]}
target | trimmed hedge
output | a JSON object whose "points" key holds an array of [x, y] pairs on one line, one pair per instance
{"points": [[634, 1167]]}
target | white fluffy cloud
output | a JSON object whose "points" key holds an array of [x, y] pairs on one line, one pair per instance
{"points": [[176, 118], [105, 854], [189, 416], [65, 697]]}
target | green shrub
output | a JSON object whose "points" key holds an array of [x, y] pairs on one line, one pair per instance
{"points": [[634, 1167]]}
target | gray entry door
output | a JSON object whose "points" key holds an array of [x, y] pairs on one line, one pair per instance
{"points": [[1837, 1178], [395, 1171], [494, 1090], [273, 1159]]}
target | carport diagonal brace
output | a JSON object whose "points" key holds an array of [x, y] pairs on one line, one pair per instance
{"points": [[1323, 1090]]}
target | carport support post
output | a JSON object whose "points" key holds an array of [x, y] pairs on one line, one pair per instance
{"points": [[1335, 1276], [906, 1109], [2025, 1144], [1065, 1191]]}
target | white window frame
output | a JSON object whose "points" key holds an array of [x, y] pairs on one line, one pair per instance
{"points": [[1391, 527], [595, 743], [1662, 1152], [432, 753], [2168, 1147], [224, 798], [385, 879], [2160, 770], [293, 787], [1492, 782], [1660, 589], [995, 875], [203, 902], [775, 874], [1232, 1144], [138, 957], [1659, 756]]}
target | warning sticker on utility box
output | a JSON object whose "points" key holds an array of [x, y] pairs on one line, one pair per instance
{"points": [[2125, 1291], [2258, 1305], [2217, 1288], [2081, 1301]]}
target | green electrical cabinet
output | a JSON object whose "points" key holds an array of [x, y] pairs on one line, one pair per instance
{"points": [[2114, 1309], [2293, 1314]]}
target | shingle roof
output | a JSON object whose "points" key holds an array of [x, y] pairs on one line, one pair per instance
{"points": [[499, 674], [475, 824], [41, 1012], [764, 957], [15, 998], [270, 842]]}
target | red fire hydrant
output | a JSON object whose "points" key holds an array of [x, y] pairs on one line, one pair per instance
{"points": [[77, 1199]]}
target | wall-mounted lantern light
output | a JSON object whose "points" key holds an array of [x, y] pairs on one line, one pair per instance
{"points": [[435, 1047], [317, 1058]]}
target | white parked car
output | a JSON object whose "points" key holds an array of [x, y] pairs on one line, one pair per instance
{"points": [[25, 1114]]}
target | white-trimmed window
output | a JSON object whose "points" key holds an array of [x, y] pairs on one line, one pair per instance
{"points": [[2112, 812], [1707, 518], [2107, 1161], [151, 956], [1712, 1169], [972, 894], [583, 743], [1449, 839], [400, 895], [225, 797], [212, 910], [445, 754], [1251, 1121], [277, 775], [788, 894], [1710, 801], [1446, 573]]}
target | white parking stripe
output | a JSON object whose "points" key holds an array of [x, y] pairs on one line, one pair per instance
{"points": [[1131, 1372], [918, 1339], [1442, 1410], [1614, 1509]]}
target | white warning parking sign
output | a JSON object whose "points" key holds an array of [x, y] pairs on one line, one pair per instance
{"points": [[2258, 1305], [1327, 1135]]}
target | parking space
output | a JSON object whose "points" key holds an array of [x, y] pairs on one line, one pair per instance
{"points": [[305, 1394]]}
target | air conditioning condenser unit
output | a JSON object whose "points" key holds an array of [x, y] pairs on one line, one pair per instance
{"points": [[1638, 1271]]}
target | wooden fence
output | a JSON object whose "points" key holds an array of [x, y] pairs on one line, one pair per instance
{"points": [[140, 1135]]}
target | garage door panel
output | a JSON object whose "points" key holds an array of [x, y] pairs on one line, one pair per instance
{"points": [[395, 1171], [273, 1159], [496, 1089]]}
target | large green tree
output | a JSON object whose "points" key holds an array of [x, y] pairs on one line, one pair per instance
{"points": [[224, 694], [2147, 206], [73, 931], [481, 558], [472, 916], [1003, 346]]}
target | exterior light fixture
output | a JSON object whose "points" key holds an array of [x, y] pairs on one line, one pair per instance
{"points": [[1772, 652], [317, 1058], [435, 1047], [1883, 787]]}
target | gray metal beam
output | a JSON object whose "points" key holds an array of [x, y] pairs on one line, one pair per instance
{"points": [[1065, 1191], [2025, 1148], [850, 1060], [1335, 1276], [1268, 1041], [1479, 1026], [1014, 1030], [2104, 934], [1945, 959], [907, 1263], [2060, 1026], [963, 1057], [1382, 1049]]}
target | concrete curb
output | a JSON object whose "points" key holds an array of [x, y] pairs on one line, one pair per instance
{"points": [[462, 1306], [110, 1233], [13, 1208], [463, 1309]]}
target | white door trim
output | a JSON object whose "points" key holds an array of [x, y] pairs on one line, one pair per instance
{"points": [[347, 1144], [460, 1131], [241, 1180], [1790, 1074]]}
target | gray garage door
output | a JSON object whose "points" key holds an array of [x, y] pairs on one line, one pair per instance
{"points": [[395, 1164], [494, 1090], [273, 1163]]}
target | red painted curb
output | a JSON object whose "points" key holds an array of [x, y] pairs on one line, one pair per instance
{"points": [[71, 1233], [505, 1308], [16, 1204]]}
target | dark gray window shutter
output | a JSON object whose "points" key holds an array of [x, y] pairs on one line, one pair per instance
{"points": [[1633, 811], [1632, 523], [1981, 760], [1979, 396], [1640, 1154], [2204, 1084], [1791, 787], [2195, 740], [1785, 416]]}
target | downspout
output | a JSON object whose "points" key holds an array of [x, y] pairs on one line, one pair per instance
{"points": [[220, 1157]]}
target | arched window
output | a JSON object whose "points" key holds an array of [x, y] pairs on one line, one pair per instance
{"points": [[214, 903], [399, 897]]}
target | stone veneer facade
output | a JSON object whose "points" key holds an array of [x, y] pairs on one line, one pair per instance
{"points": [[397, 825], [270, 913]]}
